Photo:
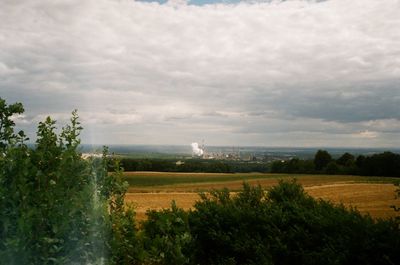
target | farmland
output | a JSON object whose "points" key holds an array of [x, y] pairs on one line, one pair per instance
{"points": [[156, 190]]}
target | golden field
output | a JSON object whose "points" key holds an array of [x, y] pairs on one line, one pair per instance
{"points": [[372, 196]]}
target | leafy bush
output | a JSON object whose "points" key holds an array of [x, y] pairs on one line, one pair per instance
{"points": [[166, 236], [230, 230], [286, 226], [57, 208]]}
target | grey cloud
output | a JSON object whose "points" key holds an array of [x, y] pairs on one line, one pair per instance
{"points": [[226, 70], [365, 103]]}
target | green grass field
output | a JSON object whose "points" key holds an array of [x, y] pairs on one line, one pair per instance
{"points": [[205, 181], [161, 179]]}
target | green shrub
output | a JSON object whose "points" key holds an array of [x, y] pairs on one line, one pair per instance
{"points": [[125, 246], [166, 236], [286, 226], [56, 207], [230, 230]]}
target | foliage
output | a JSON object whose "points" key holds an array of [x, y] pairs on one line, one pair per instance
{"points": [[332, 168], [125, 246], [294, 165], [230, 230], [58, 208], [382, 164], [192, 165], [346, 160], [396, 207], [166, 236], [7, 135], [321, 159], [286, 226]]}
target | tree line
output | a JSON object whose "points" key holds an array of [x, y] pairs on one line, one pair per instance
{"points": [[382, 164], [192, 165]]}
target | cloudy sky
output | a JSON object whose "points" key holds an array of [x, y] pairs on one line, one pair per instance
{"points": [[271, 73]]}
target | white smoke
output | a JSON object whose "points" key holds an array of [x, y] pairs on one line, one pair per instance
{"points": [[196, 149]]}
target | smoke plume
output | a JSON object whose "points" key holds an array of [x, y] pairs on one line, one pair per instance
{"points": [[196, 149]]}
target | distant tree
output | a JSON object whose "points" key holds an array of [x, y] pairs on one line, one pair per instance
{"points": [[382, 164], [308, 166], [360, 164], [277, 167], [293, 165], [332, 168], [346, 160], [321, 159]]}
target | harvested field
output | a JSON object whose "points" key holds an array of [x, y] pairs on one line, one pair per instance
{"points": [[374, 199], [158, 201], [372, 196]]}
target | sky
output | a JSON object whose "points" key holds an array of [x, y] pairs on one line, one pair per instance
{"points": [[293, 73]]}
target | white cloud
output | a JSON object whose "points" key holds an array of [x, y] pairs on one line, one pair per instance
{"points": [[366, 134], [331, 67]]}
